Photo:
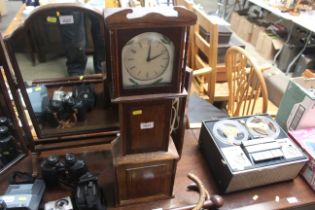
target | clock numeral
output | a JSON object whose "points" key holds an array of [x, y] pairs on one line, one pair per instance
{"points": [[130, 42], [132, 67], [133, 81], [157, 81], [139, 72], [131, 59], [133, 51], [165, 40]]}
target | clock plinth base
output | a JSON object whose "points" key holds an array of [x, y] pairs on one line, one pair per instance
{"points": [[144, 177]]}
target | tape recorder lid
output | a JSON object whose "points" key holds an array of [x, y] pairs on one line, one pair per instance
{"points": [[234, 130]]}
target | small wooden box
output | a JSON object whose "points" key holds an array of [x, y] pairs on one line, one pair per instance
{"points": [[146, 176]]}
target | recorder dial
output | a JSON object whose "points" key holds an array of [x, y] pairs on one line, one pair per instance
{"points": [[230, 132]]}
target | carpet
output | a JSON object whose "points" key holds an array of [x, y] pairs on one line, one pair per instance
{"points": [[200, 110]]}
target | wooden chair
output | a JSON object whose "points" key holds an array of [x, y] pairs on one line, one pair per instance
{"points": [[189, 5], [247, 88], [204, 57]]}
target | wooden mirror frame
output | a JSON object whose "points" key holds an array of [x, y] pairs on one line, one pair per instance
{"points": [[7, 106], [43, 141]]}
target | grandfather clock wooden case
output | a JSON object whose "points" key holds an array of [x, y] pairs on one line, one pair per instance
{"points": [[147, 61]]}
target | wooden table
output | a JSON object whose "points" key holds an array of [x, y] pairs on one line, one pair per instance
{"points": [[283, 195]]}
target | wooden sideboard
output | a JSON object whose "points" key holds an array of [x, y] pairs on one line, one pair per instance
{"points": [[290, 194]]}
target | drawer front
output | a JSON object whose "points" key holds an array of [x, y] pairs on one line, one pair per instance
{"points": [[145, 180]]}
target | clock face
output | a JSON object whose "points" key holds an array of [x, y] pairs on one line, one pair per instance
{"points": [[147, 59]]}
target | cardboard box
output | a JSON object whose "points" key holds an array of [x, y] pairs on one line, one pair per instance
{"points": [[245, 29], [256, 30], [222, 48], [297, 107], [267, 45], [225, 34], [235, 19], [305, 139], [3, 8]]}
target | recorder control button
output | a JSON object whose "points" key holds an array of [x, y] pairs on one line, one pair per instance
{"points": [[267, 155]]}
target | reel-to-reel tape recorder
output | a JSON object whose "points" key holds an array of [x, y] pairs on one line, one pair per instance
{"points": [[251, 151]]}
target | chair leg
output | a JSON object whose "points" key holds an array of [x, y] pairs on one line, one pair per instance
{"points": [[201, 85]]}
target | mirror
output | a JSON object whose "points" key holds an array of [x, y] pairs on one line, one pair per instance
{"points": [[61, 41], [58, 57]]}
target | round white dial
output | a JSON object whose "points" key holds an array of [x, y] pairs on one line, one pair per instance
{"points": [[147, 58]]}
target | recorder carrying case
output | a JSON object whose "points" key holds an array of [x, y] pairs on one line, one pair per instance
{"points": [[246, 152]]}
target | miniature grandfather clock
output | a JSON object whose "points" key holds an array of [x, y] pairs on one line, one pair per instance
{"points": [[147, 51]]}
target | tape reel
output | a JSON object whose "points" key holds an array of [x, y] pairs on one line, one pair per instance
{"points": [[230, 132], [261, 126]]}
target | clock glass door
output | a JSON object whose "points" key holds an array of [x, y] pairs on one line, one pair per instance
{"points": [[147, 59]]}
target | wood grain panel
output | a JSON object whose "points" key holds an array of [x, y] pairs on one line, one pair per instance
{"points": [[146, 126]]}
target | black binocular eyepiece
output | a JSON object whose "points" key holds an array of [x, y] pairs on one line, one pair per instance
{"points": [[8, 150], [67, 171]]}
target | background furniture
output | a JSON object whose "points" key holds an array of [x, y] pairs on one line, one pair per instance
{"points": [[3, 8], [247, 88], [277, 81], [246, 84], [205, 72]]}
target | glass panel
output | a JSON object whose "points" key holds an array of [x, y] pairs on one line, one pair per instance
{"points": [[72, 108], [61, 43]]}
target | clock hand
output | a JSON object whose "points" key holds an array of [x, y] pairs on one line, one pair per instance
{"points": [[154, 57], [149, 53]]}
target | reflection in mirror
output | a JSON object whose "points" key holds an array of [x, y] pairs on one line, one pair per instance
{"points": [[56, 45], [72, 106], [60, 41]]}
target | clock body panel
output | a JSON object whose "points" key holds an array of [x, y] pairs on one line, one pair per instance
{"points": [[157, 176], [145, 125], [144, 176]]}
